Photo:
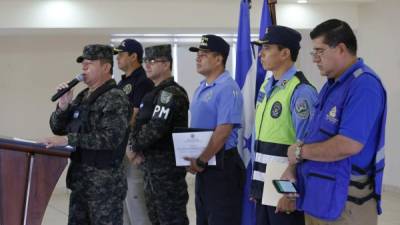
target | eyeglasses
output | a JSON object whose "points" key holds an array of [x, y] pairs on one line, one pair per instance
{"points": [[153, 61], [318, 52]]}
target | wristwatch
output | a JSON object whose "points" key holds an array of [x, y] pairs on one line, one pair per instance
{"points": [[201, 164], [298, 151]]}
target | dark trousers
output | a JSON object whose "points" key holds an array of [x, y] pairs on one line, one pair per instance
{"points": [[219, 192], [265, 215], [104, 210], [165, 190]]}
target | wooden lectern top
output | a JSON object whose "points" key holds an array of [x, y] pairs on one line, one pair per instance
{"points": [[17, 144]]}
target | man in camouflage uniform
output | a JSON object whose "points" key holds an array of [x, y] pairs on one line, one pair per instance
{"points": [[162, 109], [96, 124]]}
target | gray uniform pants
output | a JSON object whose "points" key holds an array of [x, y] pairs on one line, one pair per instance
{"points": [[135, 211]]}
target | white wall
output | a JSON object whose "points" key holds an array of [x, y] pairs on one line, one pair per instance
{"points": [[35, 56], [380, 47], [157, 15], [31, 68]]}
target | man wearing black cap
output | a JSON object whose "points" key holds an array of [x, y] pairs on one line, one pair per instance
{"points": [[96, 124], [217, 104], [135, 84], [285, 105], [162, 109]]}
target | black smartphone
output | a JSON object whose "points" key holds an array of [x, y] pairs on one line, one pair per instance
{"points": [[284, 186]]}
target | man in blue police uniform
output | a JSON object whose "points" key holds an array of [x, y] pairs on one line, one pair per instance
{"points": [[217, 104], [285, 105], [135, 84], [340, 164]]}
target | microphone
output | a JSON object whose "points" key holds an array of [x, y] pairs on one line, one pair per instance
{"points": [[71, 84]]}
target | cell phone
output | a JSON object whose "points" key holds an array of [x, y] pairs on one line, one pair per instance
{"points": [[284, 186]]}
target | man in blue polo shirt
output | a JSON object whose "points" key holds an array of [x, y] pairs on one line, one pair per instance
{"points": [[135, 84], [341, 161], [217, 104]]}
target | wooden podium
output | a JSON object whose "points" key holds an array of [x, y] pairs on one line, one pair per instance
{"points": [[28, 174]]}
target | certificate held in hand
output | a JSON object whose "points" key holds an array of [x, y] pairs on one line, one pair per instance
{"points": [[191, 143]]}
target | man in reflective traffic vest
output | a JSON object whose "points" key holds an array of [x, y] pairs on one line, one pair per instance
{"points": [[285, 105], [341, 160]]}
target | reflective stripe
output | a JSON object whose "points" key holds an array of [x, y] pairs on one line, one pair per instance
{"points": [[358, 72], [264, 158], [359, 178], [257, 175], [380, 155]]}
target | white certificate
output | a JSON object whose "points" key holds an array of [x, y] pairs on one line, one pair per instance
{"points": [[273, 171], [191, 144]]}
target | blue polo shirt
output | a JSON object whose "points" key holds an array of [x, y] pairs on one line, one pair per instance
{"points": [[304, 96], [360, 116], [218, 103]]}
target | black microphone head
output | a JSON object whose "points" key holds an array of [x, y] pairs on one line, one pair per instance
{"points": [[71, 84]]}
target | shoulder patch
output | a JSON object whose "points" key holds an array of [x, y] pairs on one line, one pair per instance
{"points": [[302, 108]]}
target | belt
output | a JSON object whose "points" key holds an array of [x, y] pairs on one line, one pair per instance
{"points": [[230, 152]]}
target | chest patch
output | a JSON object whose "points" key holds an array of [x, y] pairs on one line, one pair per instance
{"points": [[332, 115], [165, 97], [208, 96], [127, 89], [276, 109]]}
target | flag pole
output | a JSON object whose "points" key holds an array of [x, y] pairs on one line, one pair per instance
{"points": [[271, 4]]}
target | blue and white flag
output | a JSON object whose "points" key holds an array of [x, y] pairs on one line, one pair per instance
{"points": [[265, 22], [245, 76], [249, 75]]}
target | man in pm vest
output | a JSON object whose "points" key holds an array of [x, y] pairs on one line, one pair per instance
{"points": [[285, 104], [162, 109], [340, 164]]}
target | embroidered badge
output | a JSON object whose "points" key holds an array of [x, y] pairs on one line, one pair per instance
{"points": [[284, 82], [332, 115], [276, 109], [208, 96], [165, 97], [302, 109], [127, 89]]}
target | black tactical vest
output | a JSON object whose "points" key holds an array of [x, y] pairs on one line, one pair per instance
{"points": [[99, 158]]}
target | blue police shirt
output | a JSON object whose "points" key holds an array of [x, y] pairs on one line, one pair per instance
{"points": [[361, 112], [304, 97], [218, 103]]}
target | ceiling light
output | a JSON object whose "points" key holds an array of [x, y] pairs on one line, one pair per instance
{"points": [[302, 1]]}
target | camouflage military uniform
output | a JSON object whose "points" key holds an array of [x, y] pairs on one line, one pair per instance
{"points": [[164, 108], [97, 125]]}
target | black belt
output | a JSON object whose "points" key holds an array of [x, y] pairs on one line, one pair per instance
{"points": [[228, 153]]}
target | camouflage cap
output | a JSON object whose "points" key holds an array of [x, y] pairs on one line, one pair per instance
{"points": [[96, 51], [158, 51]]}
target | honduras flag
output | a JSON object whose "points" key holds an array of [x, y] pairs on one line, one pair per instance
{"points": [[249, 81], [265, 22], [245, 76]]}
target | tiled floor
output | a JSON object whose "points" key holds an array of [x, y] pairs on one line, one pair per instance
{"points": [[57, 211]]}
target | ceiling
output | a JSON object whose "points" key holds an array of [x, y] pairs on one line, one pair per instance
{"points": [[328, 1]]}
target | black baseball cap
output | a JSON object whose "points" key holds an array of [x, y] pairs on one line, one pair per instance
{"points": [[281, 35], [130, 46], [212, 43]]}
